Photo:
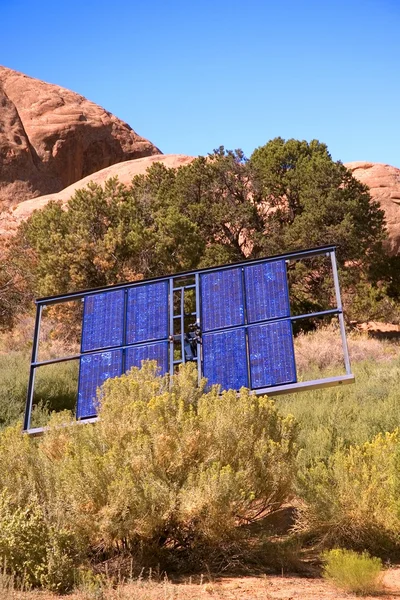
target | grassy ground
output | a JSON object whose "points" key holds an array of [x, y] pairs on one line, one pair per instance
{"points": [[329, 419]]}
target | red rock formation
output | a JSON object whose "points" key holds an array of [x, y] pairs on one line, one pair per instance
{"points": [[51, 137], [384, 183], [125, 171]]}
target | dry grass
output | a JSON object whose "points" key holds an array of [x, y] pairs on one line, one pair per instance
{"points": [[51, 345], [323, 349]]}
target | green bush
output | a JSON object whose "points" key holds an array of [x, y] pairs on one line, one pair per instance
{"points": [[172, 465], [169, 467], [352, 498], [355, 573], [36, 552]]}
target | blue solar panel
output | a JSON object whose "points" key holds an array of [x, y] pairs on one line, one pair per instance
{"points": [[158, 352], [94, 370], [224, 359], [271, 354], [239, 323], [267, 294], [222, 302], [103, 320], [147, 313]]}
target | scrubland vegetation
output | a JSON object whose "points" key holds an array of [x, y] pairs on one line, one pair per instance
{"points": [[180, 479], [173, 479]]}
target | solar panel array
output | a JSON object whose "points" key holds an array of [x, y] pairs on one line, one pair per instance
{"points": [[234, 322], [247, 335], [136, 321], [247, 339]]}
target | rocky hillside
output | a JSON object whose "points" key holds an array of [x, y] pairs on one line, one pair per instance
{"points": [[125, 171], [384, 183], [51, 137], [54, 141]]}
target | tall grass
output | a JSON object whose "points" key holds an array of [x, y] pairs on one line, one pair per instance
{"points": [[55, 387], [322, 349], [337, 417], [347, 467]]}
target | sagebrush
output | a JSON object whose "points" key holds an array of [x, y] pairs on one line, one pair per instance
{"points": [[169, 467], [353, 572]]}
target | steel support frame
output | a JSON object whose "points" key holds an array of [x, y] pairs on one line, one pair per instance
{"points": [[328, 251]]}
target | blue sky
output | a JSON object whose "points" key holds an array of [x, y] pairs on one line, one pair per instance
{"points": [[191, 76]]}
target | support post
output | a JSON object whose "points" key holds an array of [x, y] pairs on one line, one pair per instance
{"points": [[340, 315], [171, 326], [35, 346]]}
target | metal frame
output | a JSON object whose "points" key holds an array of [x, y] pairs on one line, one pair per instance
{"points": [[328, 251]]}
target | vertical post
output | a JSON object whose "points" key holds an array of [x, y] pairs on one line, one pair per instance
{"points": [[124, 326], [246, 329], [340, 308], [171, 326], [183, 324], [198, 323], [31, 382]]}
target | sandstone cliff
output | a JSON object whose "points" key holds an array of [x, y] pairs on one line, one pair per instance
{"points": [[384, 183], [125, 171], [51, 137]]}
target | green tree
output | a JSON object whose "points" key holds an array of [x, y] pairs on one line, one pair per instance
{"points": [[314, 200], [311, 201], [222, 208], [217, 193], [108, 235]]}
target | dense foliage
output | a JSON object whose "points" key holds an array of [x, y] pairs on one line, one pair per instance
{"points": [[222, 208], [167, 468]]}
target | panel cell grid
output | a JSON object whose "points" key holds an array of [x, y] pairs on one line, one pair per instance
{"points": [[225, 359], [147, 313], [267, 295], [93, 372], [103, 320], [136, 354], [271, 354], [222, 301]]}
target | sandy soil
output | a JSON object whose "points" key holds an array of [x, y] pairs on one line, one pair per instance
{"points": [[235, 588]]}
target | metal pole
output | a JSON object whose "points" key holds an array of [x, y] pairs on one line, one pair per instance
{"points": [[198, 322], [246, 329], [183, 324], [124, 328], [171, 326], [340, 315], [32, 371]]}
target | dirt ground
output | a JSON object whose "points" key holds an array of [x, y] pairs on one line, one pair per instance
{"points": [[233, 588]]}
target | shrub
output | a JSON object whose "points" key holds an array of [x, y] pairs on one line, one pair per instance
{"points": [[352, 498], [36, 552], [353, 572], [172, 465]]}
